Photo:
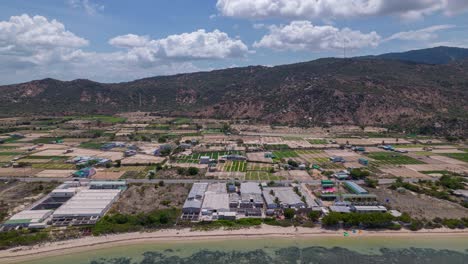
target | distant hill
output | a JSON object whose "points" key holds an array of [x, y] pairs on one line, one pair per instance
{"points": [[411, 96], [437, 55]]}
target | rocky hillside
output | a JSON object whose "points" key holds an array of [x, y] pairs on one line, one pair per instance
{"points": [[340, 91]]}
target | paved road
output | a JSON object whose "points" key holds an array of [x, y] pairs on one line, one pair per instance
{"points": [[154, 181]]}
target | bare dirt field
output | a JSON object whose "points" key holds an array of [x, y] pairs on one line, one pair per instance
{"points": [[300, 175], [18, 172], [420, 206], [107, 175], [438, 167], [448, 160], [142, 159], [258, 157], [149, 197], [404, 172], [55, 173]]}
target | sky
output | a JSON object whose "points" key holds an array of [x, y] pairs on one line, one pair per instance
{"points": [[122, 40]]}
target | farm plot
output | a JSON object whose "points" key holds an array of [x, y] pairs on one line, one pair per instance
{"points": [[459, 156], [262, 176], [195, 157], [53, 166], [234, 166], [391, 158], [317, 141], [282, 154], [258, 167]]}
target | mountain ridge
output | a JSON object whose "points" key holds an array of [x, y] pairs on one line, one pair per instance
{"points": [[397, 94]]}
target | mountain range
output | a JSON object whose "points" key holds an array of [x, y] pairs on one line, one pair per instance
{"points": [[424, 91]]}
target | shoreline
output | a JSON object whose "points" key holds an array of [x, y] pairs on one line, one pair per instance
{"points": [[50, 249]]}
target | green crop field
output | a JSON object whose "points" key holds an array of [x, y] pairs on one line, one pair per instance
{"points": [[458, 156], [317, 141], [276, 146], [91, 145], [392, 158], [281, 154], [261, 176], [102, 118], [235, 166], [54, 166]]}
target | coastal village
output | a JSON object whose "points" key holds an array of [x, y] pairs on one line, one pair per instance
{"points": [[64, 177]]}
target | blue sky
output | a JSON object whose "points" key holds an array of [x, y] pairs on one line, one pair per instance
{"points": [[119, 40]]}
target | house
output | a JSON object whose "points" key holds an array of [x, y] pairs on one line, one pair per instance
{"points": [[129, 153], [84, 173], [341, 175], [388, 147], [337, 159], [363, 161], [205, 159], [354, 188]]}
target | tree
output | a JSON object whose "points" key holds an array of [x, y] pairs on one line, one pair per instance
{"points": [[181, 171], [293, 163], [314, 216], [371, 182], [193, 171], [118, 163], [161, 183], [289, 213]]}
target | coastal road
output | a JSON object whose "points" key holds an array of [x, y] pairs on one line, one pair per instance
{"points": [[169, 181]]}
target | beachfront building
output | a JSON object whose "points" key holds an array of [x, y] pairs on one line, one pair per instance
{"points": [[193, 203], [282, 197], [85, 208]]}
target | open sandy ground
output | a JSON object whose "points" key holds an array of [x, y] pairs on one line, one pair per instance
{"points": [[88, 243]]}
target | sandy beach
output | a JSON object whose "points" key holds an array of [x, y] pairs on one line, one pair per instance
{"points": [[89, 243]]}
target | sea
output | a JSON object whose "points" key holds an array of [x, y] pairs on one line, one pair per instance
{"points": [[348, 249]]}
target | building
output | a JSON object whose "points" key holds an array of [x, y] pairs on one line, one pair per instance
{"points": [[363, 161], [337, 159], [354, 188], [102, 185], [369, 209], [84, 173], [233, 157], [204, 159], [28, 219], [282, 197], [193, 203], [85, 208], [250, 187], [341, 175], [214, 203]]}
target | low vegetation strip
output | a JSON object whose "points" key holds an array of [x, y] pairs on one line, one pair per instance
{"points": [[119, 223]]}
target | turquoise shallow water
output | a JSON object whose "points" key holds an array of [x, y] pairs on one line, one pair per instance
{"points": [[278, 250]]}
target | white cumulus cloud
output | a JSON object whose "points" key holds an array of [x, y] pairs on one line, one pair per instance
{"points": [[325, 9], [303, 35], [424, 34], [189, 46], [33, 47]]}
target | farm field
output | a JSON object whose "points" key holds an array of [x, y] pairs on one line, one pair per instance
{"points": [[459, 156], [262, 176], [234, 166], [53, 166], [318, 141], [195, 157], [391, 158]]}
